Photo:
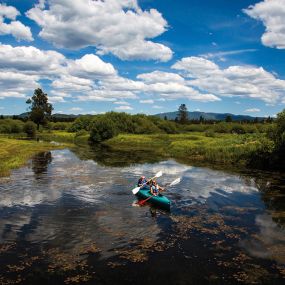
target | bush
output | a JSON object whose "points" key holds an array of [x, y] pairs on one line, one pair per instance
{"points": [[222, 128], [9, 126], [102, 129], [210, 133], [30, 129], [81, 123], [237, 129]]}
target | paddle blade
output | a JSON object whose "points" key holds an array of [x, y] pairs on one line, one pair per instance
{"points": [[176, 181], [136, 190], [158, 174]]}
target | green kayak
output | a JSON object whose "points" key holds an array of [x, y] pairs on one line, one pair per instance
{"points": [[159, 201]]}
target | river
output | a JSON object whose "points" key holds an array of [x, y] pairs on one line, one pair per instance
{"points": [[69, 217]]}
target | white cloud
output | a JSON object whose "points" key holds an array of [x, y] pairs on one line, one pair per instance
{"points": [[16, 85], [15, 28], [157, 107], [120, 27], [124, 108], [75, 109], [272, 14], [252, 110], [28, 59], [148, 101], [56, 99], [160, 76], [222, 54], [90, 66], [243, 81], [122, 103]]}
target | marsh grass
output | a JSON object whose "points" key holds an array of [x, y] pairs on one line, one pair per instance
{"points": [[15, 153], [65, 137], [221, 148]]}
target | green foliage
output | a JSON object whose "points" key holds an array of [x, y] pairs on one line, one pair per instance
{"points": [[102, 129], [30, 128], [9, 126], [280, 130], [81, 123], [182, 114], [229, 119], [39, 107], [59, 126]]}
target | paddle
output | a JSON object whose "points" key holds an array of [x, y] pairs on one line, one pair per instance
{"points": [[174, 182], [137, 189]]}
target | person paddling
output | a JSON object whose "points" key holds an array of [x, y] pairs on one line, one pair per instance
{"points": [[142, 181], [155, 188]]}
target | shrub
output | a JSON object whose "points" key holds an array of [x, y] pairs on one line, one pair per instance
{"points": [[30, 128], [237, 129], [10, 126], [81, 123], [102, 129], [210, 133]]}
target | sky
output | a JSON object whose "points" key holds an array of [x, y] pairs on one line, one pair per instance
{"points": [[145, 56]]}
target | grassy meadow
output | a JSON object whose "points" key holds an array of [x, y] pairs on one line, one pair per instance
{"points": [[218, 148], [15, 152]]}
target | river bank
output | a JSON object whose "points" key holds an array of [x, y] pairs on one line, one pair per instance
{"points": [[14, 153], [195, 147]]}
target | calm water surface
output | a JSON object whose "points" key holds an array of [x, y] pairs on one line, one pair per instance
{"points": [[69, 217]]}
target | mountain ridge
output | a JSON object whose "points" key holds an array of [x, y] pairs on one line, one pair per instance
{"points": [[195, 115]]}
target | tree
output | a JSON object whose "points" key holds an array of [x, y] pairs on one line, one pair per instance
{"points": [[102, 129], [229, 119], [201, 120], [40, 108], [30, 129], [165, 118], [183, 114]]}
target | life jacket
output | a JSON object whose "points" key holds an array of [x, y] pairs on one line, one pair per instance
{"points": [[142, 181], [155, 189]]}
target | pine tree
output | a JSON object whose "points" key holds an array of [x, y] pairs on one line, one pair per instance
{"points": [[183, 114], [40, 108]]}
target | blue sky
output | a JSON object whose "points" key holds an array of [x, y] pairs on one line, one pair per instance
{"points": [[144, 56]]}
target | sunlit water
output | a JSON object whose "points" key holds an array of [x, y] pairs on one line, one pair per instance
{"points": [[68, 220]]}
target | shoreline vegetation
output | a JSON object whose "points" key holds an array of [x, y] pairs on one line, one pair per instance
{"points": [[15, 153], [256, 145]]}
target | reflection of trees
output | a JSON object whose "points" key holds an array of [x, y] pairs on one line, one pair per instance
{"points": [[40, 162], [271, 187], [116, 158]]}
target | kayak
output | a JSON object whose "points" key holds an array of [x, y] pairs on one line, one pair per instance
{"points": [[159, 201]]}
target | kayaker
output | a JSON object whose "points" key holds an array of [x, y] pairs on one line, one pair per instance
{"points": [[142, 181], [155, 188]]}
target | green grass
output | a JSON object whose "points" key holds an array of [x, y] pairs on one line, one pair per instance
{"points": [[222, 148], [64, 137], [15, 153]]}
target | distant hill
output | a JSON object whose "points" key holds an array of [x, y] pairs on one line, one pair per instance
{"points": [[208, 116], [56, 115]]}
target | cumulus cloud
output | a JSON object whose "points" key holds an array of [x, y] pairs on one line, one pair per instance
{"points": [[252, 110], [15, 28], [172, 86], [90, 66], [243, 81], [124, 108], [119, 27], [16, 85], [160, 76], [30, 60], [148, 101], [272, 15], [89, 78]]}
